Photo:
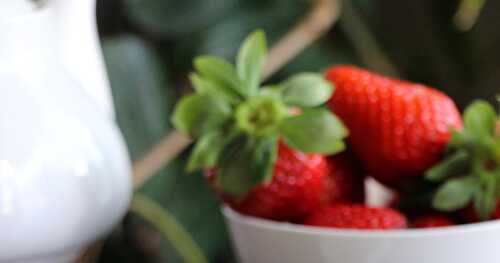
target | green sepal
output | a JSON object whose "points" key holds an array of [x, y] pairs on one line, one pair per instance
{"points": [[315, 130], [306, 90], [222, 74], [246, 163], [479, 119], [485, 199], [481, 144], [453, 165], [209, 87], [250, 61], [207, 150], [456, 193], [199, 114]]}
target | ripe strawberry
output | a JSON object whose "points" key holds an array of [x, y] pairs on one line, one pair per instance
{"points": [[432, 221], [356, 217], [297, 188], [345, 182], [398, 129]]}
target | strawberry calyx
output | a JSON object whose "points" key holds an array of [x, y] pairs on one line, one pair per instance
{"points": [[260, 115], [471, 170], [237, 124]]}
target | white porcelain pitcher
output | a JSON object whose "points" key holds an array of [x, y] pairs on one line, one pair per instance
{"points": [[64, 169]]}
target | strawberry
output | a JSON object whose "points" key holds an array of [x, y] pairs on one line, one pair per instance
{"points": [[432, 221], [297, 188], [355, 216], [266, 144], [398, 129], [345, 182], [301, 183]]}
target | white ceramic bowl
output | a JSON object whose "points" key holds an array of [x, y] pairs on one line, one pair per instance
{"points": [[264, 241]]}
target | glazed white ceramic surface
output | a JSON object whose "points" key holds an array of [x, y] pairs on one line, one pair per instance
{"points": [[264, 241], [64, 169]]}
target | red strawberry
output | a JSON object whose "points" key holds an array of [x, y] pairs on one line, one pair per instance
{"points": [[345, 181], [398, 129], [297, 188], [432, 221], [357, 217]]}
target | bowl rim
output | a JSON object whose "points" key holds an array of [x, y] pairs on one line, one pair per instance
{"points": [[266, 224]]}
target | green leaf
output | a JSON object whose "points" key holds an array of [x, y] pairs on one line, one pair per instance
{"points": [[479, 119], [307, 90], [142, 93], [208, 87], [198, 114], [456, 164], [246, 163], [485, 201], [221, 73], [250, 61], [144, 99], [207, 150], [317, 131], [455, 194]]}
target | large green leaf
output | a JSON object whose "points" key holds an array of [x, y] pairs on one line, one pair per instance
{"points": [[174, 17], [144, 100], [188, 197], [141, 92]]}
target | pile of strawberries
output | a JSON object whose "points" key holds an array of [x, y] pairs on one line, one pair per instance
{"points": [[397, 131], [409, 137]]}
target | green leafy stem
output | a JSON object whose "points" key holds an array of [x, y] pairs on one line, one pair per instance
{"points": [[471, 172]]}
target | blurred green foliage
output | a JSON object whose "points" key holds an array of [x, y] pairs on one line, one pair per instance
{"points": [[149, 46]]}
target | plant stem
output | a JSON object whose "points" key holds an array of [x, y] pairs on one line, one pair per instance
{"points": [[161, 154], [168, 226]]}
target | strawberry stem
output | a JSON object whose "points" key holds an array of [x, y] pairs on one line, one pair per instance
{"points": [[260, 116]]}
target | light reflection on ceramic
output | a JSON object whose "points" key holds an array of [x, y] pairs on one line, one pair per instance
{"points": [[64, 169]]}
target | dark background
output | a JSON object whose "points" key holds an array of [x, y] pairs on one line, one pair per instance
{"points": [[149, 44]]}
